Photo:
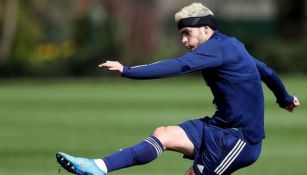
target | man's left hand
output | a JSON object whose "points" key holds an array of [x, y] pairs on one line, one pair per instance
{"points": [[113, 66]]}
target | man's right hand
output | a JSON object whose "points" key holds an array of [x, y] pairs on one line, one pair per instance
{"points": [[295, 104]]}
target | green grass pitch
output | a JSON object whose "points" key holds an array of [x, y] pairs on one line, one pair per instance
{"points": [[91, 118]]}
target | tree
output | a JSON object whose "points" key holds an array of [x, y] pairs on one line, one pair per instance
{"points": [[8, 31], [291, 18]]}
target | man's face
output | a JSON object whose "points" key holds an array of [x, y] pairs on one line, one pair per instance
{"points": [[192, 37]]}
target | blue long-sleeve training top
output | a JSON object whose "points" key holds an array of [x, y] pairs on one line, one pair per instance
{"points": [[234, 78]]}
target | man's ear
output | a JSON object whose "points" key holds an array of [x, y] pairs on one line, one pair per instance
{"points": [[207, 29], [204, 30]]}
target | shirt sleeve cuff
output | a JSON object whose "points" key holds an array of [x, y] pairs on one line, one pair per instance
{"points": [[287, 101], [125, 70]]}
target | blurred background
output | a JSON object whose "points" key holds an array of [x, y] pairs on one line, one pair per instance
{"points": [[53, 96], [40, 38]]}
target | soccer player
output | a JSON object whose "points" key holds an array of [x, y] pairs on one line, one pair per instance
{"points": [[220, 144]]}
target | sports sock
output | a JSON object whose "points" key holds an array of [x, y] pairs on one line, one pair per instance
{"points": [[139, 154], [101, 165]]}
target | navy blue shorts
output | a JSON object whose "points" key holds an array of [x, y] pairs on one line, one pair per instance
{"points": [[219, 150]]}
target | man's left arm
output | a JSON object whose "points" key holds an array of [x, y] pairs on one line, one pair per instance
{"points": [[187, 63], [272, 80]]}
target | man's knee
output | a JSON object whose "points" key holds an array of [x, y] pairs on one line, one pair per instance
{"points": [[169, 136], [160, 131], [174, 138], [163, 133], [189, 172]]}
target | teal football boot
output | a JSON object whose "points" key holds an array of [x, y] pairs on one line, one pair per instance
{"points": [[76, 165]]}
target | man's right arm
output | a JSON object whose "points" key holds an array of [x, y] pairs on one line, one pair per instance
{"points": [[271, 79]]}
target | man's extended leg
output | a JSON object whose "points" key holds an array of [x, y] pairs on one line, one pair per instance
{"points": [[169, 138]]}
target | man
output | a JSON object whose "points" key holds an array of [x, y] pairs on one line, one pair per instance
{"points": [[221, 144]]}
